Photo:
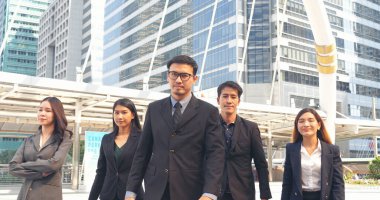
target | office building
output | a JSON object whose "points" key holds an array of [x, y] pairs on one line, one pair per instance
{"points": [[19, 30], [196, 29], [92, 32], [71, 40], [130, 39], [59, 44]]}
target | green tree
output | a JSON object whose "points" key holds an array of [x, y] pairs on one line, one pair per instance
{"points": [[374, 168], [81, 154]]}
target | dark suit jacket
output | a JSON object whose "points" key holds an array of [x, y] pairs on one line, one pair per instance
{"points": [[332, 184], [189, 156], [246, 144], [30, 162], [111, 179]]}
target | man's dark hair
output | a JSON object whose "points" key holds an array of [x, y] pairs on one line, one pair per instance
{"points": [[231, 84], [184, 59]]}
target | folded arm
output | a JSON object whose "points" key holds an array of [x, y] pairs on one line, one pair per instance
{"points": [[53, 164], [16, 169]]}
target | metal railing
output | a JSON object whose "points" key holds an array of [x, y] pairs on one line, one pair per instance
{"points": [[7, 179]]}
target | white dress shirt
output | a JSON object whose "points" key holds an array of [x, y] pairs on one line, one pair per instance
{"points": [[311, 169]]}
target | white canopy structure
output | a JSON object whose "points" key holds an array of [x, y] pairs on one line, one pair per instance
{"points": [[89, 107], [20, 96]]}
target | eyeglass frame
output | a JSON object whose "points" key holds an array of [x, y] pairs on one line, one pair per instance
{"points": [[176, 74]]}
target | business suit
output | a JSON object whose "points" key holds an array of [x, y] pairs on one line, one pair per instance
{"points": [[30, 162], [188, 156], [246, 144], [111, 178], [332, 184]]}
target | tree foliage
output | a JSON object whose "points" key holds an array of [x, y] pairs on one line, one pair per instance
{"points": [[374, 168]]}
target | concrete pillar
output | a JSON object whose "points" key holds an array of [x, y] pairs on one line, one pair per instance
{"points": [[75, 178], [375, 147]]}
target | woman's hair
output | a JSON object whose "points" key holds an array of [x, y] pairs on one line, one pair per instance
{"points": [[59, 117], [135, 123], [322, 133]]}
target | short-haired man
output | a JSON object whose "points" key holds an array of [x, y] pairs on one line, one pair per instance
{"points": [[181, 152], [242, 143]]}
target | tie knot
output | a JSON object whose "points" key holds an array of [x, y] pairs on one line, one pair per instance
{"points": [[177, 105]]}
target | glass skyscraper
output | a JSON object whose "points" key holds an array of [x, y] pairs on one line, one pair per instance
{"points": [[19, 27], [131, 29]]}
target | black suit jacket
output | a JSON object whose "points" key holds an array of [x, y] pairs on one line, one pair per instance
{"points": [[332, 184], [111, 179], [246, 144], [189, 156]]}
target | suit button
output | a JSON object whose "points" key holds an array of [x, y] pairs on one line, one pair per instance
{"points": [[30, 189], [326, 196], [166, 170], [295, 194], [327, 183], [172, 151]]}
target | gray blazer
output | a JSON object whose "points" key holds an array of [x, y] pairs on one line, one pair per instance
{"points": [[29, 162], [332, 183]]}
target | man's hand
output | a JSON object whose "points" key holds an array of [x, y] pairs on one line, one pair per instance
{"points": [[205, 198], [44, 174], [129, 198]]}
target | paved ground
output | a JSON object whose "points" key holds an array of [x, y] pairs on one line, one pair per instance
{"points": [[353, 192]]}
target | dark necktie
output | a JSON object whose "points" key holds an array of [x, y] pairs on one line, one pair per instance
{"points": [[177, 113]]}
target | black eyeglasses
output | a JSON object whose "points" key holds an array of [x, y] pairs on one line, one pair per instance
{"points": [[184, 76]]}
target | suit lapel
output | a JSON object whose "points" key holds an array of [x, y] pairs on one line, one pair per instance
{"points": [[190, 111], [166, 112], [236, 133], [110, 148], [36, 140], [326, 163], [126, 147], [52, 139], [296, 162]]}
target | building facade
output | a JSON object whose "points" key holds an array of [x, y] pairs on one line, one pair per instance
{"points": [[19, 30], [71, 40], [196, 29], [92, 41], [356, 29], [189, 27], [59, 44]]}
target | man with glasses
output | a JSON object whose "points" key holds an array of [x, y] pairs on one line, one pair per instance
{"points": [[243, 142], [181, 152]]}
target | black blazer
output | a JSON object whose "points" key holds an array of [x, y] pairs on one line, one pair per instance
{"points": [[189, 156], [111, 180], [332, 184], [246, 144]]}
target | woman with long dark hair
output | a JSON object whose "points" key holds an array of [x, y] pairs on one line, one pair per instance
{"points": [[313, 167], [116, 154], [40, 157]]}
